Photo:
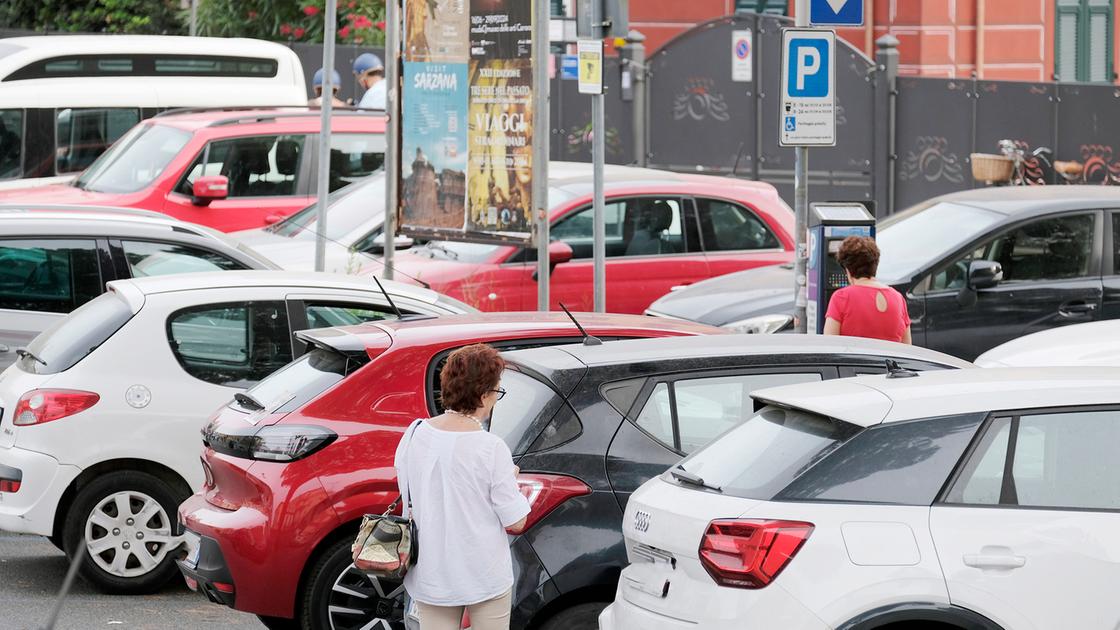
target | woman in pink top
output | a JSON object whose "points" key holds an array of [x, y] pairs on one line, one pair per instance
{"points": [[866, 307]]}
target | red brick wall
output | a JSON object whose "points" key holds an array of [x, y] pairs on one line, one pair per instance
{"points": [[662, 20]]}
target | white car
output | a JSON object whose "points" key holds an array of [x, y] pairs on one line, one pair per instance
{"points": [[962, 499], [100, 416], [1095, 344]]}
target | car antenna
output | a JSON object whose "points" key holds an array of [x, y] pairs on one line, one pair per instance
{"points": [[738, 155], [894, 370], [588, 340], [386, 294]]}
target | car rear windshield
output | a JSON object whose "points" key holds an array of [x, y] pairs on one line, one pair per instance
{"points": [[61, 346], [299, 382], [761, 456], [532, 416]]}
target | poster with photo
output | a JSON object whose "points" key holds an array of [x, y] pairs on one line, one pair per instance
{"points": [[499, 130], [436, 30], [501, 29], [434, 145]]}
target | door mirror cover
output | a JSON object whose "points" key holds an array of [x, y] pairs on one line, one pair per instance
{"points": [[559, 252], [984, 274], [208, 188]]}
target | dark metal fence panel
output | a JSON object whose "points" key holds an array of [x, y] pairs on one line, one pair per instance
{"points": [[1012, 110], [1089, 131], [934, 138], [571, 118]]}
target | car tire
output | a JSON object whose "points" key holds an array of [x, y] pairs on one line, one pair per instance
{"points": [[56, 540], [578, 617], [339, 596], [278, 623], [124, 552]]}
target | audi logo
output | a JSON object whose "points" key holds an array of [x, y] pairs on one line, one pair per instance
{"points": [[641, 521]]}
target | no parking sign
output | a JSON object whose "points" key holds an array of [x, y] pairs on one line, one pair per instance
{"points": [[742, 56]]}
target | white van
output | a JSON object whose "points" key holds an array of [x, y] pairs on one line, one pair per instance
{"points": [[65, 98]]}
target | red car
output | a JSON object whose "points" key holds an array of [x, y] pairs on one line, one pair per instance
{"points": [[226, 169], [293, 463], [664, 230]]}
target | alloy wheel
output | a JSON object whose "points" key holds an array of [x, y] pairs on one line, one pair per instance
{"points": [[128, 534], [362, 602]]}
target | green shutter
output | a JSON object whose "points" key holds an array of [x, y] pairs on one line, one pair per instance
{"points": [[1099, 41], [1065, 41], [1083, 40]]}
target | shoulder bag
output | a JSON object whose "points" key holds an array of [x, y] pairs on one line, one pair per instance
{"points": [[386, 546]]}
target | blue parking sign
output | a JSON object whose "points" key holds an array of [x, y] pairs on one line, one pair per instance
{"points": [[836, 12], [808, 88], [809, 67]]}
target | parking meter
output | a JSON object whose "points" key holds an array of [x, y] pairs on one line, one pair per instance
{"points": [[829, 225]]}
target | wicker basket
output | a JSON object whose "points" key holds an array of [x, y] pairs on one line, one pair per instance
{"points": [[991, 168]]}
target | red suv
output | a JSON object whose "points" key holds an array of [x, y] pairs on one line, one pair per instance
{"points": [[663, 230], [293, 463], [230, 170]]}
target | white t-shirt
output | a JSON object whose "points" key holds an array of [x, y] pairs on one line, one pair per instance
{"points": [[464, 494], [374, 98]]}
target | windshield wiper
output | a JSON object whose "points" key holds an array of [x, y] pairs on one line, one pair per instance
{"points": [[248, 402], [692, 479], [23, 353], [453, 255]]}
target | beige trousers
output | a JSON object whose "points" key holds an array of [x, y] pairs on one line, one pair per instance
{"points": [[492, 614]]}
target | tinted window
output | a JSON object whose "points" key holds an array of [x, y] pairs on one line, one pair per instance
{"points": [[905, 463], [256, 166], [145, 65], [299, 382], [656, 416], [231, 344], [83, 134], [355, 156], [520, 416], [910, 240], [759, 457], [726, 226], [326, 314], [135, 160], [161, 259], [55, 276], [634, 227], [348, 209], [1059, 460], [11, 143], [69, 340]]}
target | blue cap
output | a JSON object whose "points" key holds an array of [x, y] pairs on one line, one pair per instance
{"points": [[317, 80], [366, 62]]}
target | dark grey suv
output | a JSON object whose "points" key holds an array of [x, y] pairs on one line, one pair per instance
{"points": [[53, 259]]}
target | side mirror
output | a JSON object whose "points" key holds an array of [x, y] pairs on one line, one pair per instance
{"points": [[208, 188], [378, 247], [559, 252], [984, 274]]}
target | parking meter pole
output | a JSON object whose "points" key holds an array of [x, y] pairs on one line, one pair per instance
{"points": [[800, 207], [325, 103], [640, 118], [598, 157], [541, 136], [392, 135]]}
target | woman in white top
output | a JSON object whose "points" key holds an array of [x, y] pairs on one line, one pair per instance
{"points": [[461, 482]]}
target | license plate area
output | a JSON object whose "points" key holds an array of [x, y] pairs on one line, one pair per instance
{"points": [[193, 544]]}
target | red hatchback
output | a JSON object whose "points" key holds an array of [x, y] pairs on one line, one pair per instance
{"points": [[293, 463], [664, 230], [229, 170]]}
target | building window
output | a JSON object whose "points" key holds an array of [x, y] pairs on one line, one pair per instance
{"points": [[1083, 41], [773, 7]]}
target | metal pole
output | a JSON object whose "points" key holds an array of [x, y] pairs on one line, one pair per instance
{"points": [[800, 207], [638, 76], [598, 157], [392, 133], [326, 101], [541, 138], [194, 17]]}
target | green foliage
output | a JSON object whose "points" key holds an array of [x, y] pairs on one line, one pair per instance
{"points": [[93, 16], [359, 21]]}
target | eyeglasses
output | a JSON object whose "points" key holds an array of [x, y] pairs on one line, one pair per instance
{"points": [[500, 392]]}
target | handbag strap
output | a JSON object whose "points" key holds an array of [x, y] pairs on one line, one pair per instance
{"points": [[397, 501]]}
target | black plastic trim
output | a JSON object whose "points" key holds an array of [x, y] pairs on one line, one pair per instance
{"points": [[211, 568], [920, 611]]}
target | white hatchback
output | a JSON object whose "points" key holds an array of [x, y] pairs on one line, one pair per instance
{"points": [[971, 499], [100, 416]]}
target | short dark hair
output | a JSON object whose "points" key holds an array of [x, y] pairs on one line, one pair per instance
{"points": [[469, 373], [860, 256], [377, 72]]}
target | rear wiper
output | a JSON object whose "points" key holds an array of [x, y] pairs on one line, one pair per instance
{"points": [[248, 402], [692, 479], [23, 353], [451, 255]]}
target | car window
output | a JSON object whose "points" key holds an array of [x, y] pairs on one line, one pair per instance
{"points": [[326, 314], [147, 258], [235, 345], [1056, 460], [135, 160], [302, 380], [531, 416], [84, 134], [11, 143], [72, 338], [634, 227], [54, 276], [355, 156], [726, 226], [705, 407], [256, 166], [1048, 249]]}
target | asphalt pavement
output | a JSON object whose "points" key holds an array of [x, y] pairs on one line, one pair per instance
{"points": [[31, 573]]}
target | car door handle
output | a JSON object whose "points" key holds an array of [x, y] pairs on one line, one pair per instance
{"points": [[994, 561], [678, 287], [1076, 308]]}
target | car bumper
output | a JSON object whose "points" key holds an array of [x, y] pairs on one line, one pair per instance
{"points": [[31, 509], [204, 568]]}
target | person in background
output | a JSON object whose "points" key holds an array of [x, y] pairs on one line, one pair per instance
{"points": [[866, 307], [317, 85], [371, 74], [461, 486]]}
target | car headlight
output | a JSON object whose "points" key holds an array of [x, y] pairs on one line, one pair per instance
{"points": [[760, 325]]}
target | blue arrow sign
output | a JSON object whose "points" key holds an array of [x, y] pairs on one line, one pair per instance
{"points": [[836, 12]]}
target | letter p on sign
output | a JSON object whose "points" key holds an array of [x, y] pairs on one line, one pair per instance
{"points": [[808, 67]]}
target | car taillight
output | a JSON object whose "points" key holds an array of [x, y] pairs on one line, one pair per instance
{"points": [[750, 553], [547, 492], [275, 443], [9, 485], [44, 405]]}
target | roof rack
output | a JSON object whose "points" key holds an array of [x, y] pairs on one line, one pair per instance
{"points": [[291, 111]]}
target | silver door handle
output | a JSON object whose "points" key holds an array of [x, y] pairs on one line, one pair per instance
{"points": [[991, 561]]}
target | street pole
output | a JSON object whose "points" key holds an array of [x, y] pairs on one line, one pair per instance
{"points": [[640, 120], [392, 134], [541, 136], [800, 208], [598, 157], [325, 132], [194, 17]]}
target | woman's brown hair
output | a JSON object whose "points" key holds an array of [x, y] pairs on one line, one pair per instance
{"points": [[860, 256], [469, 374]]}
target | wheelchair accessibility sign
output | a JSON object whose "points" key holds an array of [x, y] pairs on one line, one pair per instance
{"points": [[808, 108]]}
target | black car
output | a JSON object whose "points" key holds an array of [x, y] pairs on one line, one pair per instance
{"points": [[593, 423], [1058, 246]]}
